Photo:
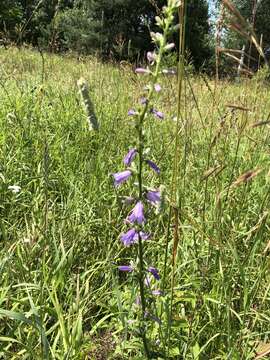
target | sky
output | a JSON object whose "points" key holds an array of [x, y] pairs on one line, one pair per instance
{"points": [[211, 8]]}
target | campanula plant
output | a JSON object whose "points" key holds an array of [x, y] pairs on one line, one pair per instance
{"points": [[136, 164]]}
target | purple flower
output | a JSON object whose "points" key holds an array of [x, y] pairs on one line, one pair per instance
{"points": [[132, 112], [121, 177], [157, 87], [132, 236], [143, 101], [126, 268], [157, 292], [154, 272], [130, 156], [158, 114], [151, 57], [137, 214], [153, 166], [147, 281], [143, 236], [138, 300], [153, 196], [142, 71], [129, 238], [146, 314]]}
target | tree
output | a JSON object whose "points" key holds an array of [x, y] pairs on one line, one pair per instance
{"points": [[116, 28], [198, 32], [257, 13], [123, 25], [76, 31], [262, 24], [11, 14]]}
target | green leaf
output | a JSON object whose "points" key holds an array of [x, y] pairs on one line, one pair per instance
{"points": [[15, 316]]}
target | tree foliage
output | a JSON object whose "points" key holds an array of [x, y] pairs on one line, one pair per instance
{"points": [[198, 32], [11, 15], [115, 28]]}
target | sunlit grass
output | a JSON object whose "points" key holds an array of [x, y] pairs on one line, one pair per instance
{"points": [[59, 233]]}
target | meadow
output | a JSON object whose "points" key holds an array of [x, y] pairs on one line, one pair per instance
{"points": [[61, 294]]}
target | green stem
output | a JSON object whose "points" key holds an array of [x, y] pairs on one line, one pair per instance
{"points": [[141, 252], [140, 123], [140, 185]]}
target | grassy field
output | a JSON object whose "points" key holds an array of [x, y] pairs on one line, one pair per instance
{"points": [[61, 295]]}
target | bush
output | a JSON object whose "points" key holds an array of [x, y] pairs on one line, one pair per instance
{"points": [[76, 31]]}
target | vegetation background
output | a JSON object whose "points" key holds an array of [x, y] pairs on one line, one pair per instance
{"points": [[60, 289], [119, 29]]}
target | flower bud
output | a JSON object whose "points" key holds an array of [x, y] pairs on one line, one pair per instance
{"points": [[151, 57], [156, 37], [169, 47], [159, 21]]}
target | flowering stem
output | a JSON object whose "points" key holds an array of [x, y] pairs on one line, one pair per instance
{"points": [[153, 196], [141, 270], [141, 118]]}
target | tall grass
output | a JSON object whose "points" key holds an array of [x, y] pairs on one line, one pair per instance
{"points": [[59, 234]]}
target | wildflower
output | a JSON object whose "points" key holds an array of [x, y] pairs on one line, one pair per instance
{"points": [[158, 114], [132, 112], [129, 238], [126, 268], [157, 37], [143, 101], [130, 156], [142, 71], [151, 57], [153, 166], [137, 214], [121, 177], [138, 300], [14, 188], [154, 272], [143, 235], [157, 87], [169, 46], [153, 196], [132, 236], [157, 292], [147, 281]]}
